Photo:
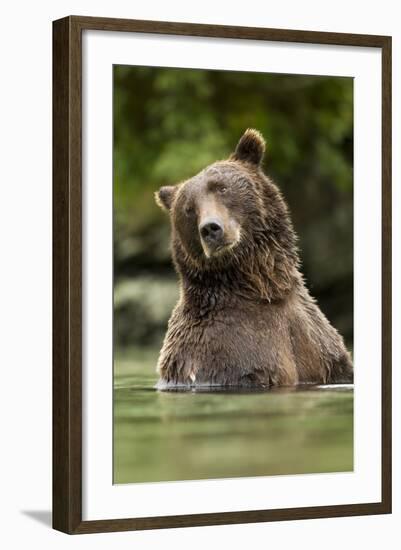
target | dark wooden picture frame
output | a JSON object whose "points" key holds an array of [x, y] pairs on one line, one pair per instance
{"points": [[67, 274]]}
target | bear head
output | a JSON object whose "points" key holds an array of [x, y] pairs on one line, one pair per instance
{"points": [[230, 221]]}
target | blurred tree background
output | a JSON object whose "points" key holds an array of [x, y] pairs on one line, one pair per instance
{"points": [[171, 123]]}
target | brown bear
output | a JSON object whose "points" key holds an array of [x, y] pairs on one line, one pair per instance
{"points": [[245, 316]]}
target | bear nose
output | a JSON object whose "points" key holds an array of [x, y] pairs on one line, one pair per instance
{"points": [[211, 230]]}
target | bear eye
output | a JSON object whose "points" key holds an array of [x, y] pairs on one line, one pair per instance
{"points": [[189, 210]]}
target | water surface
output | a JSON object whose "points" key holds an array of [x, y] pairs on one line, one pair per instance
{"points": [[166, 436]]}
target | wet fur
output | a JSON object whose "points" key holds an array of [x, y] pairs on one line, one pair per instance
{"points": [[246, 318]]}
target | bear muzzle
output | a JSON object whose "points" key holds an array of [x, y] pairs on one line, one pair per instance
{"points": [[211, 231], [215, 238]]}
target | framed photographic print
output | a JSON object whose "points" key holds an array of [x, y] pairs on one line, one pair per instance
{"points": [[221, 274]]}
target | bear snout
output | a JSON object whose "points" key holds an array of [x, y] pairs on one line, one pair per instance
{"points": [[217, 236], [212, 235], [212, 231]]}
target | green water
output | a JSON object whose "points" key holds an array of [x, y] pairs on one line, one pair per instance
{"points": [[166, 436]]}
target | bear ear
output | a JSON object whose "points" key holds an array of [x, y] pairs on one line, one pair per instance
{"points": [[250, 148], [164, 196]]}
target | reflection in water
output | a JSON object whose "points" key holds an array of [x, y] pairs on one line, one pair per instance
{"points": [[210, 433]]}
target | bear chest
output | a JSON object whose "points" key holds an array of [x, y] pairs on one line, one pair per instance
{"points": [[236, 346]]}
